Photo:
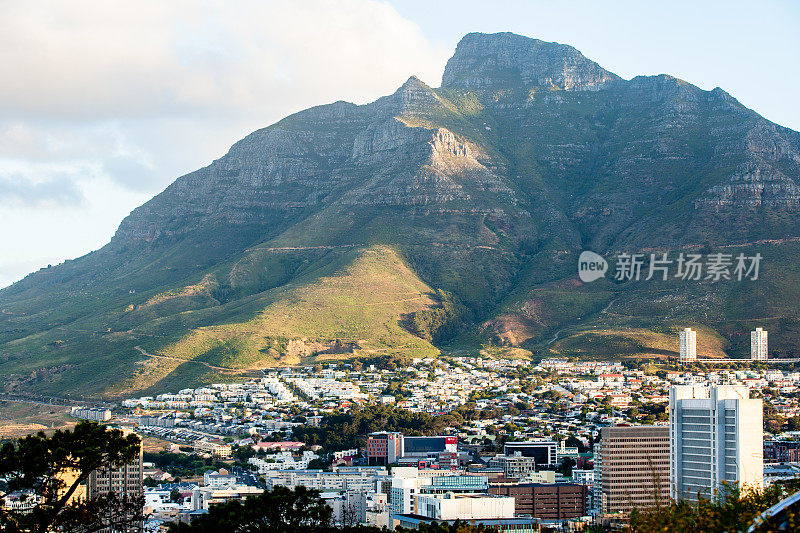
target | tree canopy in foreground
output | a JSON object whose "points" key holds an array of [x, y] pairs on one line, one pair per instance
{"points": [[47, 472], [733, 510]]}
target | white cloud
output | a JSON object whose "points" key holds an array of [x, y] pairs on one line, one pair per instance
{"points": [[121, 97]]}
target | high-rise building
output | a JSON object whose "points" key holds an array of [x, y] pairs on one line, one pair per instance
{"points": [[716, 436], [632, 468], [122, 481], [688, 349], [758, 345]]}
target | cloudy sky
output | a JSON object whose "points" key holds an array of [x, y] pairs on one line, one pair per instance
{"points": [[103, 102]]}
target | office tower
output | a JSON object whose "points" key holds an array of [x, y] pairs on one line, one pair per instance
{"points": [[716, 435], [758, 345], [632, 468], [688, 350]]}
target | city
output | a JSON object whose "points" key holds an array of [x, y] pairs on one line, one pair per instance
{"points": [[363, 266], [559, 444]]}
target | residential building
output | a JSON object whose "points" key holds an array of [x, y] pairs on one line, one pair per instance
{"points": [[688, 345], [632, 468], [122, 481], [94, 414], [515, 466], [716, 436], [217, 449], [205, 497], [758, 345], [218, 480]]}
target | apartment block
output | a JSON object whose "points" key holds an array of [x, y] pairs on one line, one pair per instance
{"points": [[758, 345], [688, 345]]}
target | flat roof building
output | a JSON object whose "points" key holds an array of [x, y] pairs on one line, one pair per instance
{"points": [[632, 468], [547, 501], [716, 436]]}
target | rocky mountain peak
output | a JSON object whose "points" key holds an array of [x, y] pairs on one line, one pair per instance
{"points": [[508, 60]]}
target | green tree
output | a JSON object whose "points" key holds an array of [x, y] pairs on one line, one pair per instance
{"points": [[51, 469], [732, 510], [275, 511]]}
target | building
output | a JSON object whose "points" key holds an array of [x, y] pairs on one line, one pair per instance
{"points": [[544, 452], [464, 506], [758, 345], [122, 481], [556, 501], [781, 451], [96, 415], [429, 446], [456, 484], [515, 466], [218, 480], [688, 348], [215, 448], [632, 468], [205, 497], [501, 525], [716, 436], [384, 448]]}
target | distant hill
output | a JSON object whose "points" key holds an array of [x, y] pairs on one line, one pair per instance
{"points": [[432, 220]]}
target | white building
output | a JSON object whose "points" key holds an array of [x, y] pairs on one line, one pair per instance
{"points": [[464, 506], [219, 480], [758, 345], [688, 349], [716, 435], [205, 497]]}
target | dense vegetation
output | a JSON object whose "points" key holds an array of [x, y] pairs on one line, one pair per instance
{"points": [[442, 322], [282, 510], [733, 510], [183, 465], [341, 431]]}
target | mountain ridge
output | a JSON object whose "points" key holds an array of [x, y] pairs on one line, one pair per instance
{"points": [[484, 190]]}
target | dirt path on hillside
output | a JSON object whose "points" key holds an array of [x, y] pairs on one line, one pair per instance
{"points": [[143, 352]]}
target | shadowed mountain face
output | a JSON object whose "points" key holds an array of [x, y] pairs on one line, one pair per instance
{"points": [[432, 217]]}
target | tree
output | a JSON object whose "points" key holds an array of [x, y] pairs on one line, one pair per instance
{"points": [[733, 509], [278, 510], [566, 466], [281, 510], [50, 470]]}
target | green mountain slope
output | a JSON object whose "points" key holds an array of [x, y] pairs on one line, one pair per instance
{"points": [[322, 235]]}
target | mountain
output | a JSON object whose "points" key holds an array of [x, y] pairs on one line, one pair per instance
{"points": [[433, 220]]}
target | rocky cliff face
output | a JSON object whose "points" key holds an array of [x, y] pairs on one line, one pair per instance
{"points": [[493, 61], [484, 187]]}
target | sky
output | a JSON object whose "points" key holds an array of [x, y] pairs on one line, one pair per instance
{"points": [[103, 103]]}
